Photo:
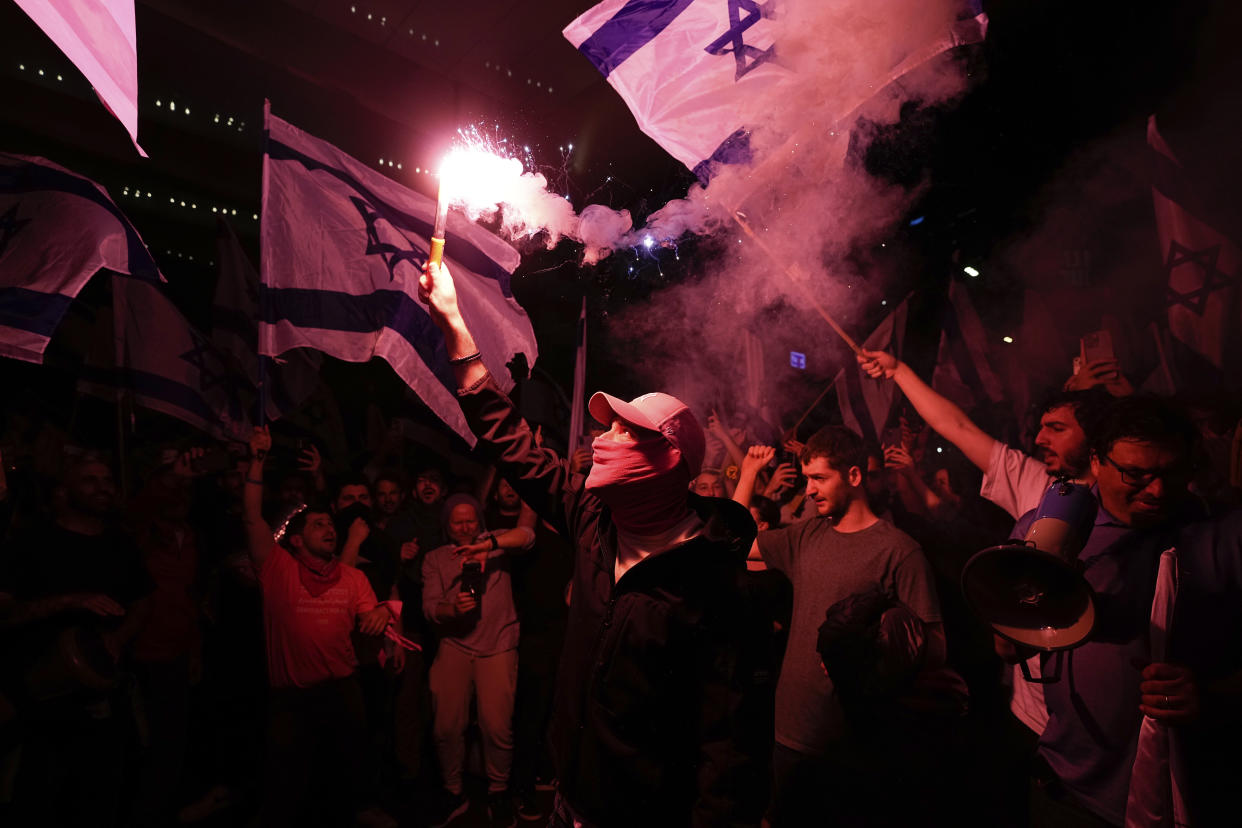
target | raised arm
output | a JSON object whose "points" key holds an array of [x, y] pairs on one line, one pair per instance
{"points": [[537, 474], [941, 414], [258, 533], [756, 458]]}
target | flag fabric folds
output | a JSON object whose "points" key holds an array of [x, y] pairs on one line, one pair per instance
{"points": [[866, 404], [689, 69], [284, 382], [963, 372], [57, 229], [1203, 265], [1157, 795], [342, 251], [166, 364], [101, 39]]}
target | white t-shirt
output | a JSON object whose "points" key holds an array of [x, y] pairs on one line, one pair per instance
{"points": [[1013, 480], [1016, 482]]}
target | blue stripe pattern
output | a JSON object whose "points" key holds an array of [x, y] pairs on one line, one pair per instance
{"points": [[153, 385], [31, 310], [635, 25], [336, 311]]}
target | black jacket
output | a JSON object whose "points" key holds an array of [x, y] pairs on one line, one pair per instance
{"points": [[663, 712]]}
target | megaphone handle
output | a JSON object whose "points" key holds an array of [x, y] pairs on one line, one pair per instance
{"points": [[1044, 677]]}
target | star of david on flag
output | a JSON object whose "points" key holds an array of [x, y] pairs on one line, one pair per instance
{"points": [[166, 364], [342, 251], [1202, 265], [693, 71]]}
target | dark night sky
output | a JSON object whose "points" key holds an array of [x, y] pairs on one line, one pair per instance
{"points": [[1052, 79]]}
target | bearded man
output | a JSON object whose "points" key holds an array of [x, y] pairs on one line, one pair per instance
{"points": [[663, 708]]}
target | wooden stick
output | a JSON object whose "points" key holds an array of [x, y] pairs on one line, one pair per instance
{"points": [[814, 405], [794, 277]]}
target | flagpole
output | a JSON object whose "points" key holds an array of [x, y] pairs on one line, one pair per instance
{"points": [[814, 405], [796, 278], [577, 406], [120, 311], [261, 374]]}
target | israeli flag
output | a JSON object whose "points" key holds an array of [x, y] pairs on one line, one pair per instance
{"points": [[685, 69], [57, 229], [342, 250], [689, 69]]}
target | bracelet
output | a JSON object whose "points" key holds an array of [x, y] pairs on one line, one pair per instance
{"points": [[255, 482], [495, 543], [463, 360]]}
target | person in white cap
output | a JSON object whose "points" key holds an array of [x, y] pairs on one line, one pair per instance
{"points": [[663, 712]]}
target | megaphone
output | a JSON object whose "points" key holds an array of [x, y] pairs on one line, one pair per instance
{"points": [[1031, 592]]}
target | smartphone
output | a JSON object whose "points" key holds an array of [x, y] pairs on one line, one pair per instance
{"points": [[1098, 346], [472, 579]]}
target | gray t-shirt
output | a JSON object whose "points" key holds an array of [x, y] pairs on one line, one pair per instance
{"points": [[490, 629], [825, 566]]}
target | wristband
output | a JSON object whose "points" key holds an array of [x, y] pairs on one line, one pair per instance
{"points": [[255, 482], [468, 358], [495, 543]]}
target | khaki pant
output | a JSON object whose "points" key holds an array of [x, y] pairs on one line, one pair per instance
{"points": [[494, 680]]}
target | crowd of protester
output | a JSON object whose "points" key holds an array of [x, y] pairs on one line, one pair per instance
{"points": [[678, 625]]}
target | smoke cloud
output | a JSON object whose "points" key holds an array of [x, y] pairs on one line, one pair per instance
{"points": [[805, 195]]}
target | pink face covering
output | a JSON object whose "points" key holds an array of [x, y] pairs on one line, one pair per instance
{"points": [[644, 483], [318, 576]]}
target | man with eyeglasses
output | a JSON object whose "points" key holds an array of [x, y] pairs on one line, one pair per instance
{"points": [[1142, 459]]}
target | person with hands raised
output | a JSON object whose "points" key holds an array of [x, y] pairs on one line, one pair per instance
{"points": [[1013, 480], [663, 694], [312, 603]]}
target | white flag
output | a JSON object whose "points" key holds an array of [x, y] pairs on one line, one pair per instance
{"points": [[101, 39]]}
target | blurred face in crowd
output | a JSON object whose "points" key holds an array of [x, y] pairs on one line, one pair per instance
{"points": [[388, 497], [760, 523], [1061, 444], [318, 537], [1141, 483], [507, 496], [877, 482], [174, 496], [463, 524], [830, 490], [293, 490], [90, 489], [942, 485], [708, 484], [351, 494], [429, 487]]}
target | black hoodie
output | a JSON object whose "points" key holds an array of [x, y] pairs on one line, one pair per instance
{"points": [[663, 711]]}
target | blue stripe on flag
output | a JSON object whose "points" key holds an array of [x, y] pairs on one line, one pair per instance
{"points": [[636, 24], [335, 311], [25, 178], [30, 310], [158, 387], [735, 149], [459, 249]]}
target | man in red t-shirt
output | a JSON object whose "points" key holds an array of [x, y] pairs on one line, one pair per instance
{"points": [[312, 602]]}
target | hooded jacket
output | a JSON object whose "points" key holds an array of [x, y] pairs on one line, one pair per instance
{"points": [[664, 699]]}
